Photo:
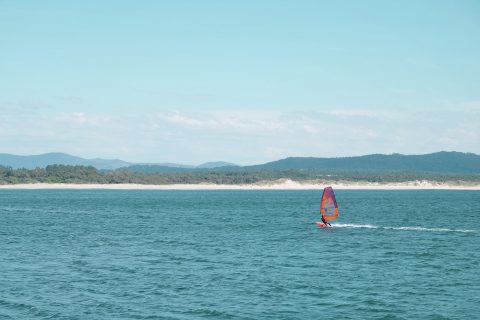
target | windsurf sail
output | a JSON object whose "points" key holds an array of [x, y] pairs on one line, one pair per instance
{"points": [[328, 205]]}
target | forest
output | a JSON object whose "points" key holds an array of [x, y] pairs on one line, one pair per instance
{"points": [[89, 174]]}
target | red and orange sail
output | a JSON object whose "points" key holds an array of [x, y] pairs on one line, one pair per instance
{"points": [[328, 205]]}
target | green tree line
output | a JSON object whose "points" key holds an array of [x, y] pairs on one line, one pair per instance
{"points": [[88, 174]]}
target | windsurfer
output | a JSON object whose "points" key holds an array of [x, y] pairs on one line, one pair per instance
{"points": [[328, 208], [325, 222]]}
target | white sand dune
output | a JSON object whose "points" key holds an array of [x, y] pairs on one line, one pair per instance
{"points": [[282, 184]]}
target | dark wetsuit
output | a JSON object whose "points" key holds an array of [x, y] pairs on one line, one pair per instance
{"points": [[325, 222]]}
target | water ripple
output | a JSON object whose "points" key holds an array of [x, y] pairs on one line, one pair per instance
{"points": [[110, 254]]}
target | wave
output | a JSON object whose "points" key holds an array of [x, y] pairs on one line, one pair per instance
{"points": [[408, 228]]}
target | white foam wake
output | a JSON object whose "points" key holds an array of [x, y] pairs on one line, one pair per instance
{"points": [[409, 228]]}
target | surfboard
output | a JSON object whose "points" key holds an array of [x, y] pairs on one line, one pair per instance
{"points": [[320, 224]]}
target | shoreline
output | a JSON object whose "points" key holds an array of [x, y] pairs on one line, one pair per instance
{"points": [[273, 185]]}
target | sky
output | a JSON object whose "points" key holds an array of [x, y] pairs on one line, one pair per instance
{"points": [[240, 81]]}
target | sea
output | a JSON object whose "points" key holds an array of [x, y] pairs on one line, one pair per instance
{"points": [[238, 254]]}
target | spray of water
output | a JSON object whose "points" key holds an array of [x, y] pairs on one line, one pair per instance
{"points": [[408, 228]]}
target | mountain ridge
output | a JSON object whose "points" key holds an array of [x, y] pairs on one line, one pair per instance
{"points": [[443, 161], [45, 159], [51, 158]]}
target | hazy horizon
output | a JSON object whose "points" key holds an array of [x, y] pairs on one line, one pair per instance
{"points": [[243, 82]]}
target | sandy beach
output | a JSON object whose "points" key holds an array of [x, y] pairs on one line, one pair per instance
{"points": [[275, 185]]}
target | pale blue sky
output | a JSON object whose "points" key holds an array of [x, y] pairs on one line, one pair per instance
{"points": [[241, 81]]}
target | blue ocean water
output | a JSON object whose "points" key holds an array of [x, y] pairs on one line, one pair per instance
{"points": [[110, 254]]}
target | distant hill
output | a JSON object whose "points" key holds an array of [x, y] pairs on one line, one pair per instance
{"points": [[174, 165], [164, 164], [446, 162], [43, 160], [439, 162], [153, 168], [216, 164], [169, 168]]}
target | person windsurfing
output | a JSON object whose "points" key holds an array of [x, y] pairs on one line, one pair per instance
{"points": [[325, 222], [328, 208]]}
